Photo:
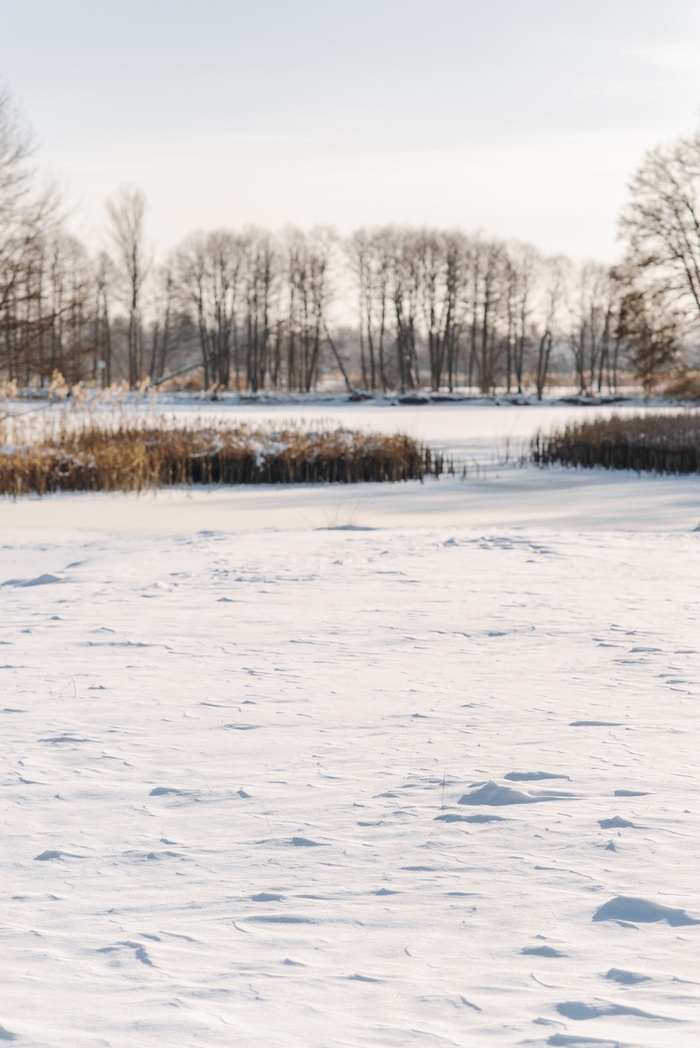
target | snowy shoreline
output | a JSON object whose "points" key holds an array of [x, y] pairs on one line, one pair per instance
{"points": [[503, 497]]}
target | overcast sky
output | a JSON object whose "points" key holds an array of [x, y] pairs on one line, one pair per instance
{"points": [[523, 118]]}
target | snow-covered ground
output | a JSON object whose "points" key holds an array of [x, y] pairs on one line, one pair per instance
{"points": [[436, 783]]}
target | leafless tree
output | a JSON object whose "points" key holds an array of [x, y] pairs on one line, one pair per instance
{"points": [[209, 273], [369, 252], [27, 218], [310, 259], [492, 299], [126, 213], [102, 337], [161, 330], [405, 283], [523, 272], [261, 293], [442, 262], [592, 314], [555, 272], [648, 328], [661, 222]]}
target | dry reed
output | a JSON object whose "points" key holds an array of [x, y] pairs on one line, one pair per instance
{"points": [[659, 443], [131, 454]]}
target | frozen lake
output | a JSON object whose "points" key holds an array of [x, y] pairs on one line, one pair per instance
{"points": [[494, 493], [479, 432]]}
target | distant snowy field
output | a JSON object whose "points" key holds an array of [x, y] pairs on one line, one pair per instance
{"points": [[266, 785]]}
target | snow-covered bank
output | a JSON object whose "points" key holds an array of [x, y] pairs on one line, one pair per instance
{"points": [[478, 433], [351, 789], [506, 497]]}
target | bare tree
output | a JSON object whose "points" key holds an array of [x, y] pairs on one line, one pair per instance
{"points": [[662, 220], [162, 325], [26, 218], [369, 252], [556, 273], [261, 290], [405, 288], [522, 274], [592, 310], [310, 260], [442, 277], [649, 329], [126, 212], [16, 173], [102, 362], [210, 274], [492, 286]]}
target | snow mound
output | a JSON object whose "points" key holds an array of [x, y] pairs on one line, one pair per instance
{"points": [[626, 978], [40, 580], [641, 911], [578, 1010], [493, 794], [542, 951]]}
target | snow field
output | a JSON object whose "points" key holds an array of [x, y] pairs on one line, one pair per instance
{"points": [[350, 788]]}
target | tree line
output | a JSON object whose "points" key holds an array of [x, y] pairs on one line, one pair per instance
{"points": [[391, 308]]}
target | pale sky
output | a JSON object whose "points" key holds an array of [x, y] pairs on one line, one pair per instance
{"points": [[522, 118]]}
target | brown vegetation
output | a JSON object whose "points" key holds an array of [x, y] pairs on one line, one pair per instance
{"points": [[89, 454], [664, 443], [683, 385]]}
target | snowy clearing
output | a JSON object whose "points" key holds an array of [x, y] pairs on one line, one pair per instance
{"points": [[418, 785]]}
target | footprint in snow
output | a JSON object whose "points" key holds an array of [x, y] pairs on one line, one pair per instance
{"points": [[617, 822], [140, 952]]}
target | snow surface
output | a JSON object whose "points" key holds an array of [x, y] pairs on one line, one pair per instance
{"points": [[430, 785]]}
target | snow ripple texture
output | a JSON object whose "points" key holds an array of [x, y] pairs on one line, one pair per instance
{"points": [[350, 789]]}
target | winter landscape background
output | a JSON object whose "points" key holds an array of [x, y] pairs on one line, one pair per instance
{"points": [[350, 765]]}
